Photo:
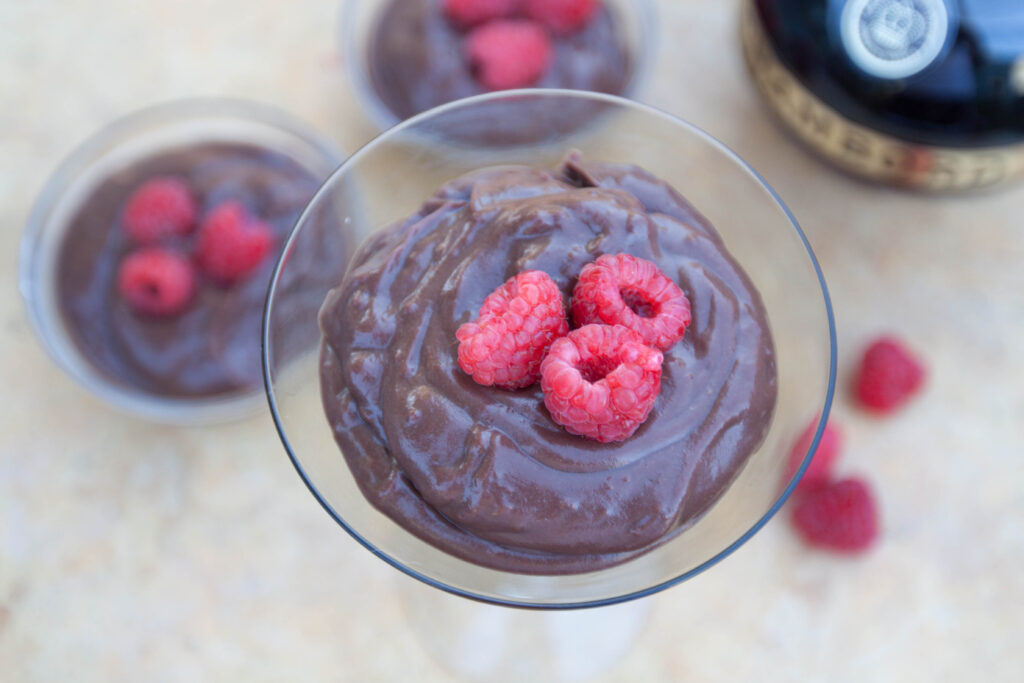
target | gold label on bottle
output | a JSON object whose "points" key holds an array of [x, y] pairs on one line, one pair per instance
{"points": [[859, 149]]}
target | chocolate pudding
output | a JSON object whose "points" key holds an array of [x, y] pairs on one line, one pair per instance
{"points": [[487, 475], [416, 61], [213, 347]]}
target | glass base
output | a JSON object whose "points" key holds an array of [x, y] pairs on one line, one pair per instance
{"points": [[478, 642]]}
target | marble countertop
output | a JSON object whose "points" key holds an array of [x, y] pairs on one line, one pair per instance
{"points": [[135, 552]]}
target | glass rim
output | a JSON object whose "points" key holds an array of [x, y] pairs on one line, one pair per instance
{"points": [[384, 119], [182, 411], [354, 159]]}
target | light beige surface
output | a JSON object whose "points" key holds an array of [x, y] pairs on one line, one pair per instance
{"points": [[133, 552]]}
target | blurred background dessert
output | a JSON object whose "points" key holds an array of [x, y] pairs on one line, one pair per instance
{"points": [[148, 254], [407, 56]]}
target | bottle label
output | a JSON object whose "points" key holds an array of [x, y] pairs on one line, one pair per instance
{"points": [[895, 38], [861, 150]]}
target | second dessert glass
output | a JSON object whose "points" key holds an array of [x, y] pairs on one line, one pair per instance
{"points": [[393, 174], [155, 130], [357, 29]]}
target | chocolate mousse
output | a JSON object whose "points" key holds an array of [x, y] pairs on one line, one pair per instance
{"points": [[417, 59], [486, 474], [212, 347]]}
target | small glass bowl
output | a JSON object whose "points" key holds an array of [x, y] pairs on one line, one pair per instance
{"points": [[759, 232], [637, 20], [118, 145]]}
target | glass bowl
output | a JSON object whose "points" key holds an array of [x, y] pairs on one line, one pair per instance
{"points": [[758, 230], [117, 146], [636, 20]]}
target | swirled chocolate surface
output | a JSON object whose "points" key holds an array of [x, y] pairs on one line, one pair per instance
{"points": [[415, 58], [486, 474]]}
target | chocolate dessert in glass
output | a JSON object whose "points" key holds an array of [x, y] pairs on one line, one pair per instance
{"points": [[562, 373], [404, 57], [146, 260]]}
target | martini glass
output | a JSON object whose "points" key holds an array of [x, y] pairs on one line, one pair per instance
{"points": [[389, 178]]}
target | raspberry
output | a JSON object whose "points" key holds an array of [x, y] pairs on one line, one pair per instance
{"points": [[232, 244], [561, 16], [841, 516], [508, 54], [159, 208], [629, 291], [466, 13], [819, 472], [889, 375], [517, 324], [157, 282], [601, 381]]}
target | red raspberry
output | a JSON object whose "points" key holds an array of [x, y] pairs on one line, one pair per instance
{"points": [[629, 291], [889, 375], [508, 54], [159, 208], [840, 516], [517, 324], [819, 472], [231, 243], [601, 381], [562, 16], [466, 13], [157, 282]]}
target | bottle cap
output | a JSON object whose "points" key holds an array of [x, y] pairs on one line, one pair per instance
{"points": [[894, 39]]}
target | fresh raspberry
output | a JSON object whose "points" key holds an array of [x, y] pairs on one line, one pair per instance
{"points": [[601, 381], [467, 13], [517, 324], [629, 291], [561, 16], [507, 54], [231, 243], [819, 472], [841, 516], [159, 208], [157, 282], [889, 375]]}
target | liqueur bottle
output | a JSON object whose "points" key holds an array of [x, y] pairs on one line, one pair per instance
{"points": [[926, 94]]}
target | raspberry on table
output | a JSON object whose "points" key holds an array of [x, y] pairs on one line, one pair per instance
{"points": [[819, 471], [621, 289], [841, 516], [159, 208], [517, 324], [231, 243], [508, 53], [889, 375], [467, 13], [157, 282], [561, 16], [601, 381]]}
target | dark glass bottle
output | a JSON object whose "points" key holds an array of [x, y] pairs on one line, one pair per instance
{"points": [[921, 93]]}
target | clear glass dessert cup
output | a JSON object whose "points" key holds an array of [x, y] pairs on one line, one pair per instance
{"points": [[392, 175], [118, 145], [358, 20]]}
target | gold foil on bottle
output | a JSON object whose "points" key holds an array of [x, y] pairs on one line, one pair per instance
{"points": [[861, 150]]}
